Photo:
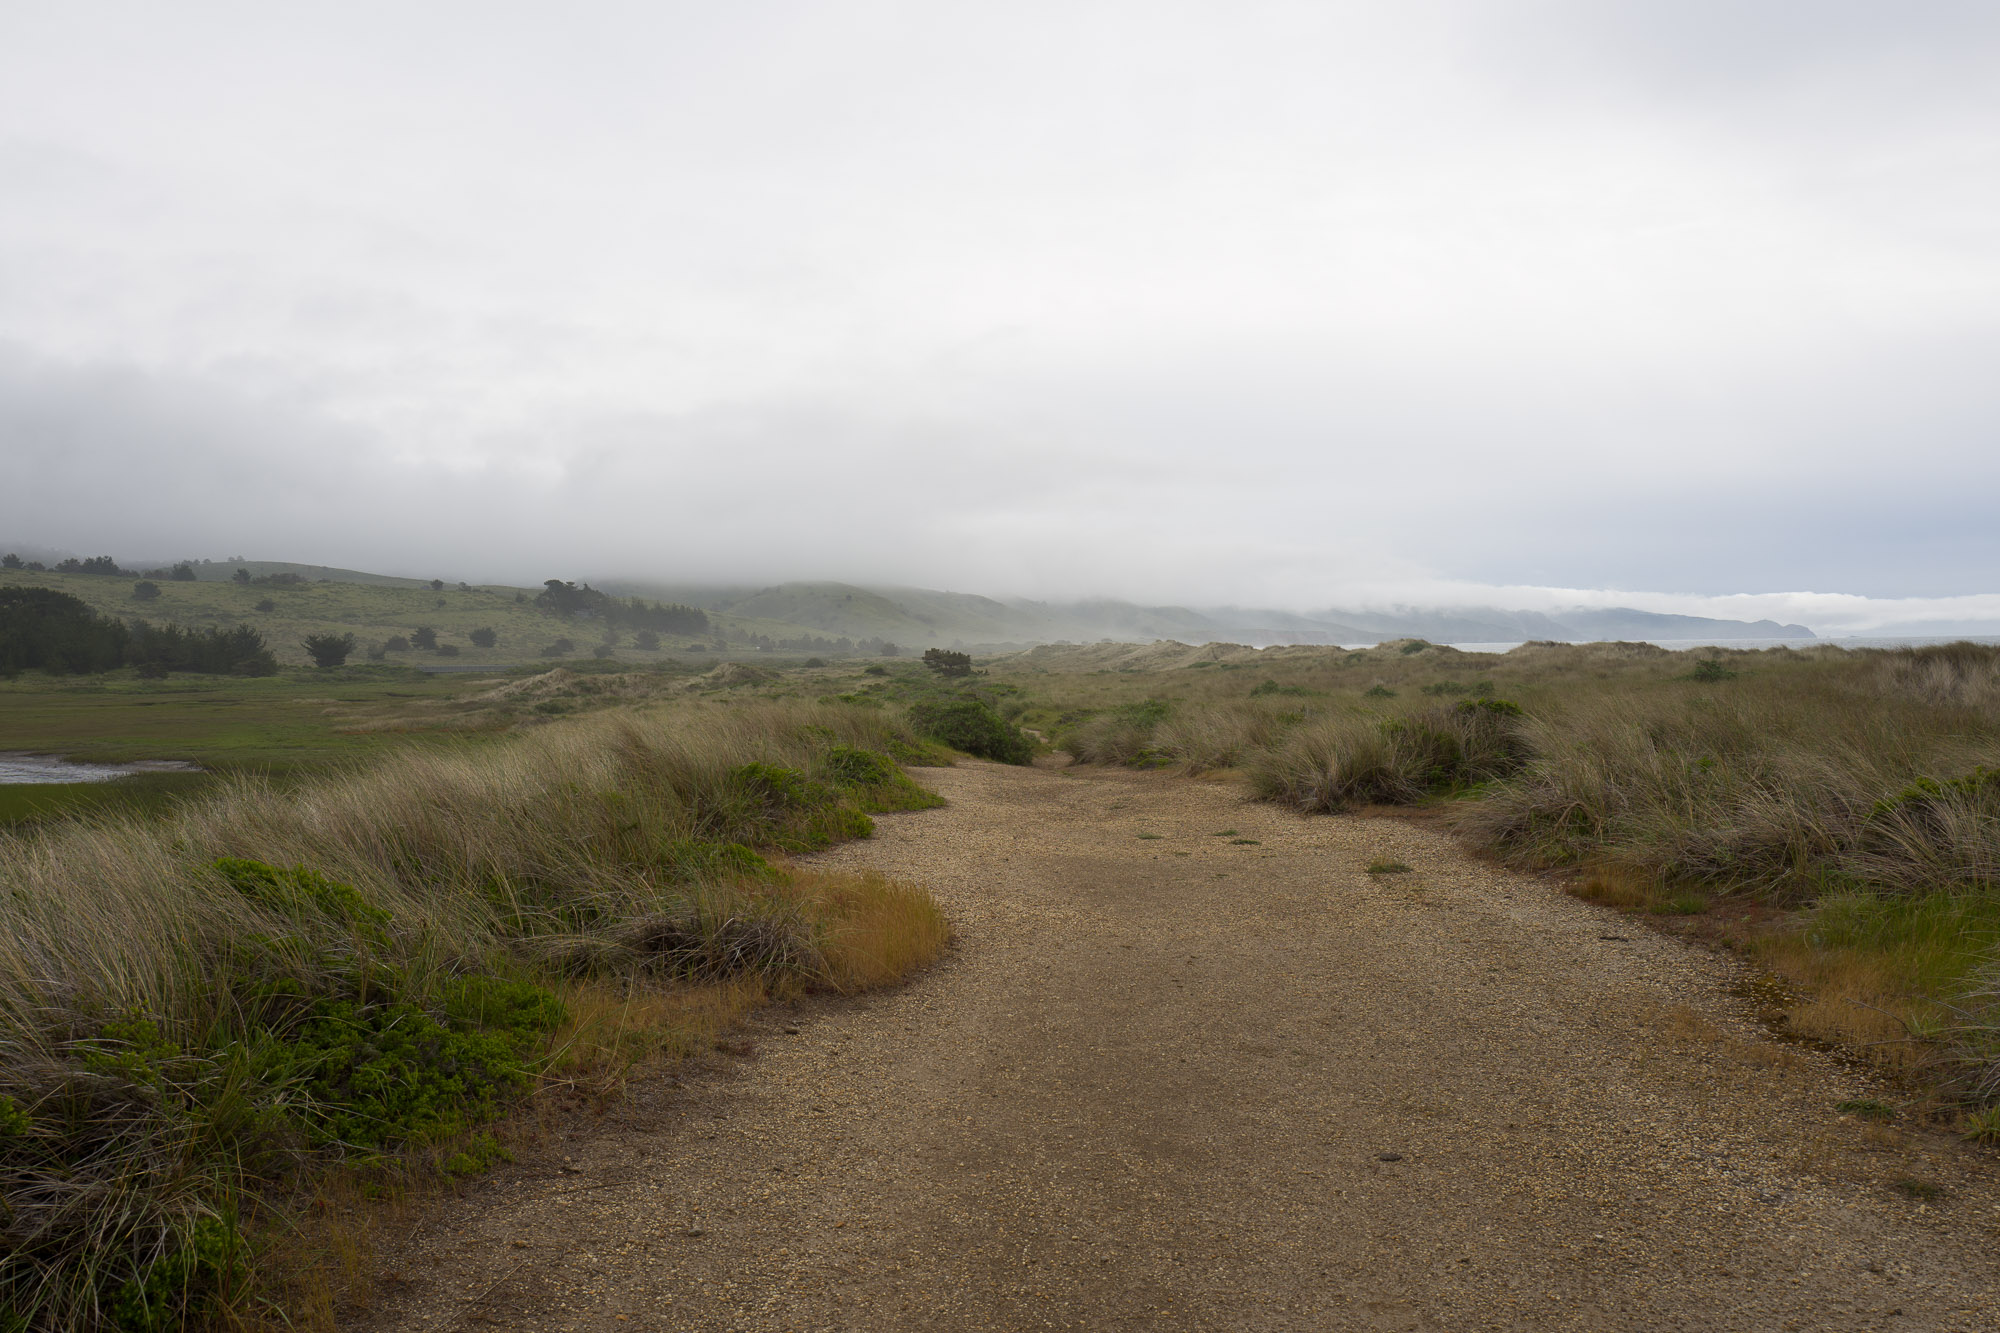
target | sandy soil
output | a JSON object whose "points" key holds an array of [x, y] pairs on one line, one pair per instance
{"points": [[1190, 1082]]}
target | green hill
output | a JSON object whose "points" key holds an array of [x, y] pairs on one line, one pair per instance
{"points": [[373, 611]]}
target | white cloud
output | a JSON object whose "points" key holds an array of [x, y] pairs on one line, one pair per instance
{"points": [[1287, 303]]}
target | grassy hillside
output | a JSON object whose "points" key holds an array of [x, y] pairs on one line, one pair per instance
{"points": [[927, 617], [373, 612], [223, 571]]}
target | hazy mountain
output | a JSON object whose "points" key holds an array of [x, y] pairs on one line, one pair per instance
{"points": [[1491, 625], [1621, 623], [920, 617]]}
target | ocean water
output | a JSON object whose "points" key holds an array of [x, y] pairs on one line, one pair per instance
{"points": [[1689, 645]]}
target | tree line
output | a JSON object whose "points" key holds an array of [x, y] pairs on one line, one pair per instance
{"points": [[45, 630], [567, 600], [99, 564]]}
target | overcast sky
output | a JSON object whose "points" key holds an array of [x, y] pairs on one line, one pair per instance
{"points": [[1537, 302]]}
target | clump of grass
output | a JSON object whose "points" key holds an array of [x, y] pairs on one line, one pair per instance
{"points": [[1121, 735], [1867, 1108], [1981, 1126], [200, 1012], [1387, 868], [1923, 1191], [1339, 762], [1144, 837]]}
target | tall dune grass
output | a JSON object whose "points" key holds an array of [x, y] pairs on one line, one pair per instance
{"points": [[197, 1012]]}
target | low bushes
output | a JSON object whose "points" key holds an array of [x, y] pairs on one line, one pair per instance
{"points": [[198, 1015], [970, 724]]}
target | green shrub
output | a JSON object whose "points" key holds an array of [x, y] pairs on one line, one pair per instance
{"points": [[208, 1258], [973, 726], [373, 1075], [298, 889], [802, 813]]}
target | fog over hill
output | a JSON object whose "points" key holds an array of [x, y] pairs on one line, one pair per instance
{"points": [[922, 616]]}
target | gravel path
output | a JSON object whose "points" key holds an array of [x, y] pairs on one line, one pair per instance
{"points": [[1209, 1081]]}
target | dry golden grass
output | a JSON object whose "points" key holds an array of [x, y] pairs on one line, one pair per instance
{"points": [[1855, 998], [877, 930], [1617, 886]]}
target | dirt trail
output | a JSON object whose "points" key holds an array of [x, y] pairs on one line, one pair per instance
{"points": [[1188, 1082]]}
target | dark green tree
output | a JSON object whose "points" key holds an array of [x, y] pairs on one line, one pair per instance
{"points": [[484, 637], [182, 573], [241, 576], [424, 637], [948, 663], [329, 650], [145, 590], [45, 630]]}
